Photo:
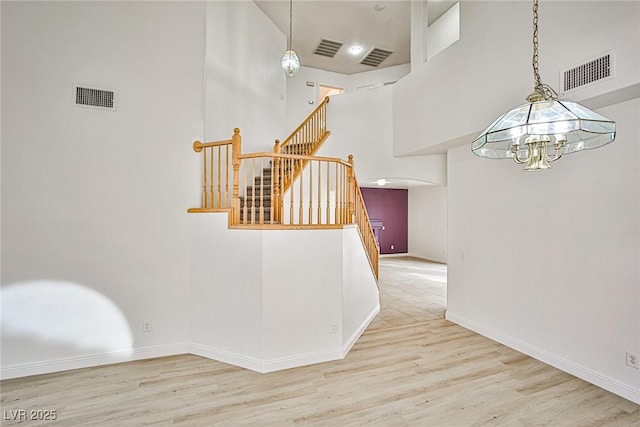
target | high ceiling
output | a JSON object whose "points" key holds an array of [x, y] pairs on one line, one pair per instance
{"points": [[382, 24]]}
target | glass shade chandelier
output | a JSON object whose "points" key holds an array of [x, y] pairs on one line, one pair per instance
{"points": [[290, 61], [540, 132]]}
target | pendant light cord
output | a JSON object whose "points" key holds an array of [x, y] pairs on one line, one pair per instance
{"points": [[290, 21], [541, 90]]}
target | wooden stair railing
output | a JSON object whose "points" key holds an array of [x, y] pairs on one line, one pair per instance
{"points": [[216, 175], [361, 218], [304, 141], [323, 192]]}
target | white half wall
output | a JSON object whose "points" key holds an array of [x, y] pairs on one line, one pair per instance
{"points": [[548, 262], [270, 300], [428, 222], [94, 228]]}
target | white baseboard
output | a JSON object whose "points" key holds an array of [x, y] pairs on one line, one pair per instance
{"points": [[595, 378], [429, 258], [346, 347], [224, 356], [65, 364], [243, 361]]}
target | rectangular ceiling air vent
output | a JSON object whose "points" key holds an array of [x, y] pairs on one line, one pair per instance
{"points": [[592, 71], [328, 48], [97, 98], [375, 57]]}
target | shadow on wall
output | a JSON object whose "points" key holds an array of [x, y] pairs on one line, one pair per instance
{"points": [[44, 320]]}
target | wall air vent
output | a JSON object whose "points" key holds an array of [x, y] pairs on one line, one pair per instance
{"points": [[328, 48], [375, 57], [94, 98], [597, 69]]}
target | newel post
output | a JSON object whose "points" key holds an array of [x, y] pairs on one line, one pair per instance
{"points": [[275, 181], [236, 149], [352, 189]]}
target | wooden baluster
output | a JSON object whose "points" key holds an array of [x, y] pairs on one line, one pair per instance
{"points": [[236, 149], [219, 150], [261, 216], [300, 217], [211, 175], [338, 214], [328, 213], [253, 190], [310, 193], [227, 203], [319, 219], [290, 178], [275, 185], [351, 189]]}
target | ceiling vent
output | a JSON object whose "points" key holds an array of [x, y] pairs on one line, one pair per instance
{"points": [[375, 57], [600, 68], [92, 97], [328, 48]]}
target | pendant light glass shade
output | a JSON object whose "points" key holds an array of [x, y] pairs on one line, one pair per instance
{"points": [[541, 131], [563, 127], [290, 63]]}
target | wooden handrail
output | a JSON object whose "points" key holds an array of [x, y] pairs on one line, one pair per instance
{"points": [[198, 146], [216, 170], [292, 156]]}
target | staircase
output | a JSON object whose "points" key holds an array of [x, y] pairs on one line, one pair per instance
{"points": [[289, 188]]}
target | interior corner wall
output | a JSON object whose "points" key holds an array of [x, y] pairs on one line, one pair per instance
{"points": [[244, 83], [548, 262], [361, 124], [428, 222], [302, 91], [94, 202]]}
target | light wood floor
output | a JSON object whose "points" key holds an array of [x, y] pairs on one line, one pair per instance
{"points": [[411, 368]]}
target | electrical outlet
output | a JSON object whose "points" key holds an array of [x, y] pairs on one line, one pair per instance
{"points": [[333, 328], [632, 359], [146, 326], [393, 247]]}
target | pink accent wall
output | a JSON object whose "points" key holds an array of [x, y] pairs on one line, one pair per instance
{"points": [[388, 207]]}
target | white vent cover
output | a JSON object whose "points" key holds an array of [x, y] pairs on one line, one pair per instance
{"points": [[94, 98], [594, 70]]}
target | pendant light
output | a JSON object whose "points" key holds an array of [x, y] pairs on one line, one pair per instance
{"points": [[290, 61], [541, 131]]}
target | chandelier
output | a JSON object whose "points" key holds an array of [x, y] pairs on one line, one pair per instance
{"points": [[290, 61], [540, 132]]}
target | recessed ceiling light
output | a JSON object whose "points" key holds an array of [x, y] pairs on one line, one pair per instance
{"points": [[355, 49], [379, 7]]}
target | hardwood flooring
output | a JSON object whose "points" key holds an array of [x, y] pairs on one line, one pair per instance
{"points": [[410, 368]]}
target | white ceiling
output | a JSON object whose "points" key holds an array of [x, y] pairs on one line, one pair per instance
{"points": [[353, 22]]}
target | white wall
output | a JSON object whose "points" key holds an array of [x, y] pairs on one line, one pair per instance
{"points": [[428, 222], [94, 202], [361, 124], [455, 95], [299, 94], [245, 85], [360, 296], [547, 262], [263, 301]]}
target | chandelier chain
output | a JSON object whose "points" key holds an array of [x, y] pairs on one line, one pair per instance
{"points": [[541, 90], [290, 22]]}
